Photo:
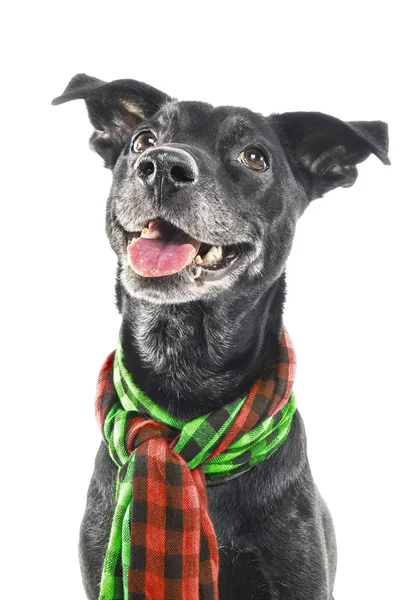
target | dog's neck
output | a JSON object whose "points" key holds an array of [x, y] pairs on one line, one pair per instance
{"points": [[191, 358]]}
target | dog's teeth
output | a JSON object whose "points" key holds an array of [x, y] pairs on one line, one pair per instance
{"points": [[217, 250], [198, 260], [144, 231], [209, 257], [214, 253]]}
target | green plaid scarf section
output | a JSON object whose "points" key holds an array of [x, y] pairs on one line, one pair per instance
{"points": [[162, 545]]}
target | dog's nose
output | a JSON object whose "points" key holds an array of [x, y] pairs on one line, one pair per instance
{"points": [[170, 168]]}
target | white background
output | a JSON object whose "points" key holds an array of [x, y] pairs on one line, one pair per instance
{"points": [[58, 314]]}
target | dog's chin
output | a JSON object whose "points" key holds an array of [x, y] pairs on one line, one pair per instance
{"points": [[183, 286]]}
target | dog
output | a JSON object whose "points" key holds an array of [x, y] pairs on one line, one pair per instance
{"points": [[196, 330]]}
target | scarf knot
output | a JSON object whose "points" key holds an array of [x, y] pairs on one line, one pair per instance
{"points": [[139, 430], [162, 543]]}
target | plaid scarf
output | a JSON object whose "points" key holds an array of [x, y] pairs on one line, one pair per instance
{"points": [[162, 543]]}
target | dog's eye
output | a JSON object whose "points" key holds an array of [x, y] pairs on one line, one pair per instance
{"points": [[143, 141], [254, 159]]}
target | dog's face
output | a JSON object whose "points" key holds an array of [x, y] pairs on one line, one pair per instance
{"points": [[206, 199], [214, 184]]}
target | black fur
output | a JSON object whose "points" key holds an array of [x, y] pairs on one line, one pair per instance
{"points": [[195, 345]]}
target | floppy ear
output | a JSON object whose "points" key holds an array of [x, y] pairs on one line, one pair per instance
{"points": [[114, 109], [326, 150]]}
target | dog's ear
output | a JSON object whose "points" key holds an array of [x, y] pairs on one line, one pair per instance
{"points": [[326, 150], [114, 109]]}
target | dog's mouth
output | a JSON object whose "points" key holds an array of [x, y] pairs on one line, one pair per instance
{"points": [[162, 249]]}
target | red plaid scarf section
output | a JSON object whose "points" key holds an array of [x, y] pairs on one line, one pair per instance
{"points": [[173, 546], [170, 524]]}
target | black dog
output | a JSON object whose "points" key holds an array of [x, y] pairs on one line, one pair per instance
{"points": [[195, 333]]}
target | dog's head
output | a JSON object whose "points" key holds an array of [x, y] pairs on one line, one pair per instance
{"points": [[206, 199]]}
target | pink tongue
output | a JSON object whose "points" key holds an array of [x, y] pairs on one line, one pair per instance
{"points": [[160, 254]]}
